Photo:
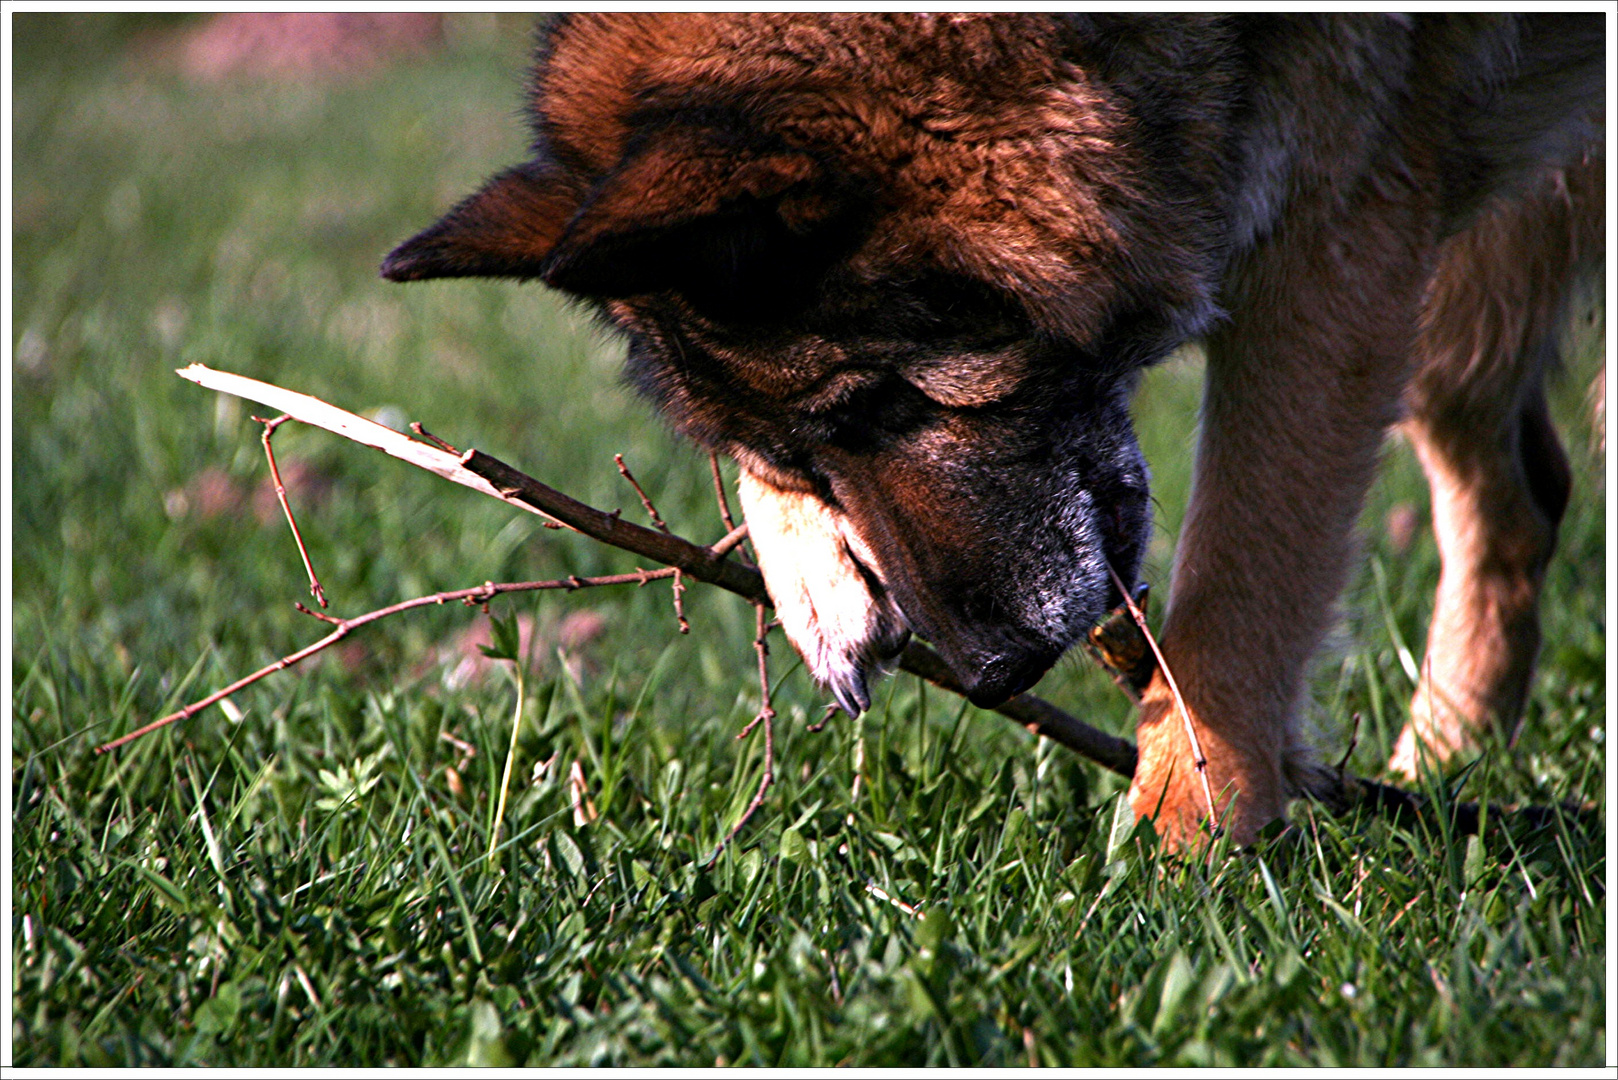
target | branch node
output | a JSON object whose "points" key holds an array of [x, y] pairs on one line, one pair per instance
{"points": [[299, 604], [724, 515], [434, 439], [679, 603], [729, 542], [825, 718]]}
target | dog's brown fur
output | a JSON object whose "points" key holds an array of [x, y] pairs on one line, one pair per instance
{"points": [[905, 267]]}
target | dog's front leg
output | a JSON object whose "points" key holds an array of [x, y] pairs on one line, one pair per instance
{"points": [[1300, 386]]}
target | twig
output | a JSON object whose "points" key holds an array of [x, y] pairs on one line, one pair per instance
{"points": [[651, 512], [728, 542], [286, 508], [434, 439], [761, 646], [312, 410], [343, 627], [1197, 756], [719, 492], [679, 603], [825, 717], [766, 716], [645, 500], [724, 503]]}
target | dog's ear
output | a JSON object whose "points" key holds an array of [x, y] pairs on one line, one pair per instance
{"points": [[730, 227], [507, 229]]}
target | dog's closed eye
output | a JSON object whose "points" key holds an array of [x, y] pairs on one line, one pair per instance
{"points": [[970, 380]]}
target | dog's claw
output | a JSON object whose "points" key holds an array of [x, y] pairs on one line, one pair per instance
{"points": [[851, 693]]}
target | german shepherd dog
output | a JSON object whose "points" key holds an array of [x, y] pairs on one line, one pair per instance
{"points": [[906, 270]]}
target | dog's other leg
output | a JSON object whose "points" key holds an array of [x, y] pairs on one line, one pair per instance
{"points": [[1479, 424], [1301, 387]]}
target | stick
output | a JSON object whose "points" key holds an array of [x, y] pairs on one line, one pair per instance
{"points": [[341, 422], [480, 472], [493, 477]]}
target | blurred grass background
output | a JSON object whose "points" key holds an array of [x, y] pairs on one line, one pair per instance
{"points": [[301, 882]]}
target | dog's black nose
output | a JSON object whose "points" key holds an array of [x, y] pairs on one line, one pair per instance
{"points": [[995, 680]]}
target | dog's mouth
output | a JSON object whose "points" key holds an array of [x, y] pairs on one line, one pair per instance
{"points": [[995, 660], [1001, 678], [1003, 563], [850, 626]]}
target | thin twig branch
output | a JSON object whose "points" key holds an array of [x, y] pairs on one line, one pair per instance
{"points": [[434, 439], [312, 410], [645, 499], [727, 543], [724, 503], [286, 508], [478, 594], [651, 512], [719, 491], [766, 716]]}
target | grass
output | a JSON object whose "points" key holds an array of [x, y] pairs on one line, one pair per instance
{"points": [[304, 880]]}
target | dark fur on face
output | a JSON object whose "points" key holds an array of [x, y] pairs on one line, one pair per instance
{"points": [[991, 472], [918, 292]]}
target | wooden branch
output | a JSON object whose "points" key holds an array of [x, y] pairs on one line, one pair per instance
{"points": [[493, 477], [286, 507], [1338, 790], [340, 422]]}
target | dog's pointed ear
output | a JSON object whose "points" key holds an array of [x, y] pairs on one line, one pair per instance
{"points": [[506, 229], [724, 225]]}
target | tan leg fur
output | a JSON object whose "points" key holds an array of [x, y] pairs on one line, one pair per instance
{"points": [[1479, 424], [1301, 387]]}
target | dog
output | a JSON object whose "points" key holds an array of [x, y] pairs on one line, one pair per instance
{"points": [[906, 270]]}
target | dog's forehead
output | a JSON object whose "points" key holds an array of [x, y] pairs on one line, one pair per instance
{"points": [[982, 146], [953, 76]]}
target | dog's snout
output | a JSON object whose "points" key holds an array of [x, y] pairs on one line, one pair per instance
{"points": [[997, 679]]}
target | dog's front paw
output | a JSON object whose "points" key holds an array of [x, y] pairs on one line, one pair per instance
{"points": [[1241, 784], [828, 595]]}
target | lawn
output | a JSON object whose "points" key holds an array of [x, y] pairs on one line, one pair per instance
{"points": [[305, 877]]}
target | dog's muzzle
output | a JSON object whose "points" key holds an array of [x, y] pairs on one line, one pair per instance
{"points": [[828, 595]]}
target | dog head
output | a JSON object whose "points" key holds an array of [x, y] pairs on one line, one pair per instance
{"points": [[904, 270]]}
